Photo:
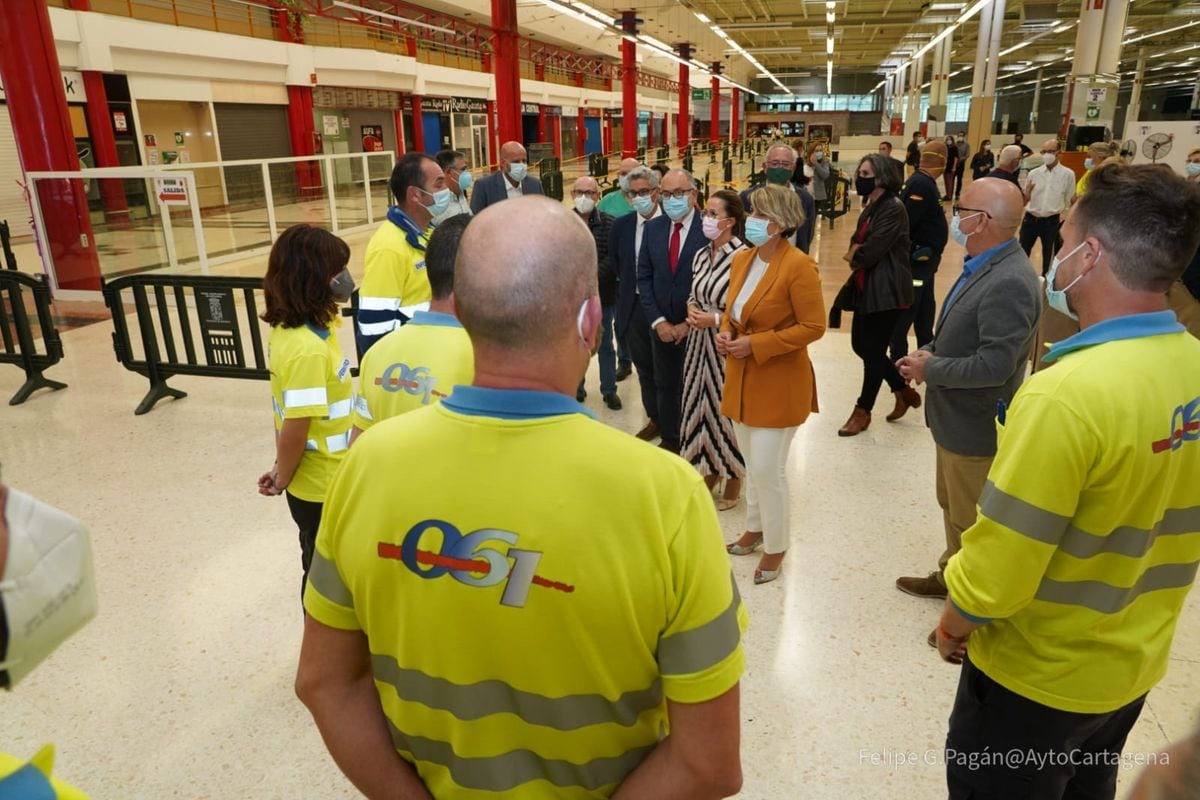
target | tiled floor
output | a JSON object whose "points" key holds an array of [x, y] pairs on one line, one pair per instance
{"points": [[181, 688]]}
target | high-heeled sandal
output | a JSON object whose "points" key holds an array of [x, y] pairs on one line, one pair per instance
{"points": [[735, 549], [726, 503], [762, 576]]}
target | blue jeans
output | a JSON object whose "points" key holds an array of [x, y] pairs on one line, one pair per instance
{"points": [[607, 352]]}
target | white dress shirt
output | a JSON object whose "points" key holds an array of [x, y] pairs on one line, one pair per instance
{"points": [[1052, 190], [683, 234], [641, 223], [513, 191], [757, 270], [458, 205]]}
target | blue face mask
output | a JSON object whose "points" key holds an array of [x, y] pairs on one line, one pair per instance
{"points": [[677, 207], [956, 232], [756, 231], [1057, 298], [441, 200], [623, 183], [1193, 169], [643, 205], [518, 171], [465, 180], [1087, 164]]}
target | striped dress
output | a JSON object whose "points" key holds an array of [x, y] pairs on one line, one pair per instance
{"points": [[706, 438]]}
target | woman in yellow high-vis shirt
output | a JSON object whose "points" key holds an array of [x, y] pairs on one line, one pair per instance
{"points": [[310, 377]]}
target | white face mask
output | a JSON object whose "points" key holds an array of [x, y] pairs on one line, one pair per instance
{"points": [[584, 204], [48, 589], [1048, 159]]}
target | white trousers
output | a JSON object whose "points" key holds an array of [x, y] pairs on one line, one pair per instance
{"points": [[767, 508]]}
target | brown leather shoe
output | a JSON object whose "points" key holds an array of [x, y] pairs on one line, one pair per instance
{"points": [[648, 433], [906, 398], [859, 421], [929, 586]]}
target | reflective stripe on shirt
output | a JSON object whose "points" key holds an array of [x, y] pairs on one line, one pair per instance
{"points": [[338, 442], [363, 409], [302, 398], [341, 408]]}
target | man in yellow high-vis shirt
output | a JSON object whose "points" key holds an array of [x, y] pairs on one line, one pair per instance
{"points": [[483, 620], [1064, 598]]}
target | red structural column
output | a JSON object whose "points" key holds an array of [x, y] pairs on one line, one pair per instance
{"points": [[418, 143], [735, 115], [507, 69], [302, 133], [41, 124], [629, 124], [556, 134], [581, 133], [715, 124], [683, 118], [104, 148], [493, 144]]}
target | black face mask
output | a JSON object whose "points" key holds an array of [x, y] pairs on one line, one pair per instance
{"points": [[864, 186], [342, 286]]}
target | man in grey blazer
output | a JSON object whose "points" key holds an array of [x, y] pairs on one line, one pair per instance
{"points": [[513, 179], [976, 360]]}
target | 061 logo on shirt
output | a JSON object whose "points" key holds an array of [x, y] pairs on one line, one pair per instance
{"points": [[1185, 427], [466, 559]]}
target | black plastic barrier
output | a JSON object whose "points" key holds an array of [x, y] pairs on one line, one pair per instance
{"points": [[10, 258], [838, 192], [20, 346], [213, 304]]}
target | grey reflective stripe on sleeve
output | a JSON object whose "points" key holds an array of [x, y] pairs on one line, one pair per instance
{"points": [[699, 649], [1130, 541], [507, 771], [1109, 599], [323, 576], [485, 698], [1021, 516]]}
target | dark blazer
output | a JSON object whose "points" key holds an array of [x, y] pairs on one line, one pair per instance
{"points": [[883, 257], [664, 294], [600, 224], [494, 188], [803, 236], [623, 262], [979, 351]]}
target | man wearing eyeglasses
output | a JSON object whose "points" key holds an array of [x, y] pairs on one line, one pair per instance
{"points": [[976, 360], [780, 167], [664, 276], [584, 197]]}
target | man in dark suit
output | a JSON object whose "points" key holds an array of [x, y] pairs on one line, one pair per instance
{"points": [[664, 276], [885, 149], [512, 180], [976, 361], [624, 244], [780, 168], [584, 196]]}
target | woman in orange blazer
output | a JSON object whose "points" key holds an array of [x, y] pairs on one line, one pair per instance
{"points": [[777, 310]]}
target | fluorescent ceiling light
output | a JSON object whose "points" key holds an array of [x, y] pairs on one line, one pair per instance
{"points": [[829, 77], [830, 17], [575, 15], [829, 45], [1161, 33], [1065, 28], [947, 6], [393, 17], [651, 41], [702, 17], [758, 26], [972, 11]]}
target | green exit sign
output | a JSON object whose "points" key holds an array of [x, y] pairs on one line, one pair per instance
{"points": [[702, 94]]}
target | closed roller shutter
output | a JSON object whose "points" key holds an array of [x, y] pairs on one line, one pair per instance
{"points": [[254, 131], [13, 206]]}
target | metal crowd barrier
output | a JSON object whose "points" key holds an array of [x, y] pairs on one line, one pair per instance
{"points": [[17, 335], [221, 337]]}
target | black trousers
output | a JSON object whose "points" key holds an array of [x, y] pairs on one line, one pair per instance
{"points": [[637, 339], [307, 516], [1059, 755], [869, 336], [668, 379], [1044, 228], [919, 316]]}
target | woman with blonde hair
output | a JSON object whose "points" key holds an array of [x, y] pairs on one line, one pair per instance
{"points": [[770, 389]]}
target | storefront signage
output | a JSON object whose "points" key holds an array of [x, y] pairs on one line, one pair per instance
{"points": [[346, 97], [454, 105], [554, 111], [570, 111], [120, 122], [72, 85], [171, 191], [530, 108], [593, 112]]}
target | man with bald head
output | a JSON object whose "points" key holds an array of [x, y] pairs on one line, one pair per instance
{"points": [[1008, 165], [1048, 194], [927, 232], [976, 360], [584, 195], [513, 179], [664, 277], [619, 203], [480, 620]]}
